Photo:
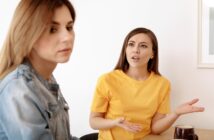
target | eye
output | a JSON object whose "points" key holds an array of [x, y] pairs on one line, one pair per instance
{"points": [[130, 44], [69, 28], [53, 30], [143, 46]]}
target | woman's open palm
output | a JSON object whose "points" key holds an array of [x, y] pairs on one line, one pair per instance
{"points": [[188, 107], [132, 127]]}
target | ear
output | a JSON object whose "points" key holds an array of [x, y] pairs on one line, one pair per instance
{"points": [[152, 57]]}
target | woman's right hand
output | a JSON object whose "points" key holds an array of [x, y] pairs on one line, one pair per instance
{"points": [[188, 107], [98, 122], [131, 127]]}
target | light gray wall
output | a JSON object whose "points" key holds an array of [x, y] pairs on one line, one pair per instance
{"points": [[100, 29]]}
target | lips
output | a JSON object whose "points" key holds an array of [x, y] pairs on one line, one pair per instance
{"points": [[64, 50], [135, 58]]}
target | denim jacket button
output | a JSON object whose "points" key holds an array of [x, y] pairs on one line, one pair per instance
{"points": [[66, 107]]}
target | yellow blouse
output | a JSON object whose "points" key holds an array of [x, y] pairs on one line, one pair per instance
{"points": [[118, 95]]}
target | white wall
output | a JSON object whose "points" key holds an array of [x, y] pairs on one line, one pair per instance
{"points": [[101, 27]]}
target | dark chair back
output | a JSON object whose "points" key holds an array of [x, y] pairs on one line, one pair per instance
{"points": [[91, 136]]}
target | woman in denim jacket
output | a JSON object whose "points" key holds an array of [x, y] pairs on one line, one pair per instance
{"points": [[31, 104]]}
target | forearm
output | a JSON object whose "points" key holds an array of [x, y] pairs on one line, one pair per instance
{"points": [[98, 123], [163, 124]]}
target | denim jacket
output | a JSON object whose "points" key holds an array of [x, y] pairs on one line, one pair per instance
{"points": [[32, 108]]}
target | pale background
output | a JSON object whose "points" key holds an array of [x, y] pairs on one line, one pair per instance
{"points": [[101, 27]]}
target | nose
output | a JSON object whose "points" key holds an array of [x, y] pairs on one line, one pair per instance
{"points": [[137, 49], [67, 36]]}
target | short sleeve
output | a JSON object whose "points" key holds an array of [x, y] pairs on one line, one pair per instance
{"points": [[164, 106], [101, 96]]}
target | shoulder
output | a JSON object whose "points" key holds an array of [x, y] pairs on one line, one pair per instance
{"points": [[20, 74], [16, 92], [160, 79], [16, 82], [109, 75], [13, 88]]}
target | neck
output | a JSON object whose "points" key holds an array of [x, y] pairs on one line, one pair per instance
{"points": [[43, 68], [138, 74]]}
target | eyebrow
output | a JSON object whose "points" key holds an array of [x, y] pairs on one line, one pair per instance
{"points": [[140, 42], [57, 23], [131, 41]]}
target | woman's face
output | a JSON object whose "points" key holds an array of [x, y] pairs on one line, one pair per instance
{"points": [[56, 43], [139, 51]]}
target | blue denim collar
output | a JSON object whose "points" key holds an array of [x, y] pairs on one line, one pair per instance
{"points": [[51, 84]]}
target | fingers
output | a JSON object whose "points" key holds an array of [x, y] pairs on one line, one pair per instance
{"points": [[133, 127], [189, 108], [120, 120], [193, 101], [197, 109]]}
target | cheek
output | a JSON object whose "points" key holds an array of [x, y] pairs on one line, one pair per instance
{"points": [[45, 41], [146, 55], [127, 56], [127, 51], [44, 44], [42, 48]]}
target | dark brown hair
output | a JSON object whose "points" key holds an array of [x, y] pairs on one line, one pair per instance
{"points": [[123, 64]]}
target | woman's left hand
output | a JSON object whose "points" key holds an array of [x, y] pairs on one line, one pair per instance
{"points": [[188, 108]]}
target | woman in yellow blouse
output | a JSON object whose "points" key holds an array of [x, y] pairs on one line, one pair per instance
{"points": [[133, 100]]}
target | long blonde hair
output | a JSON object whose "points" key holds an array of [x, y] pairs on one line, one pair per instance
{"points": [[29, 22]]}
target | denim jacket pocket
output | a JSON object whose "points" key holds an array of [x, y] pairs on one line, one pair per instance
{"points": [[52, 111], [58, 120]]}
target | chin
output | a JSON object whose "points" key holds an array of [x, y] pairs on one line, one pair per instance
{"points": [[134, 66], [63, 60]]}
